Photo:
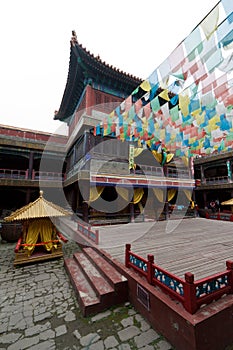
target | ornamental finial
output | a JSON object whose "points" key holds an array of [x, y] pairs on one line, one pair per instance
{"points": [[41, 194], [74, 39]]}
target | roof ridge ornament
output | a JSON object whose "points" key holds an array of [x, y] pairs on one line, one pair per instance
{"points": [[74, 39]]}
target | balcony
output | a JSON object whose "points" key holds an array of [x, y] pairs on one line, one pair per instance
{"points": [[214, 182], [16, 174]]}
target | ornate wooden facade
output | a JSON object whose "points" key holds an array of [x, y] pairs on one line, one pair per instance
{"points": [[21, 175], [214, 181]]}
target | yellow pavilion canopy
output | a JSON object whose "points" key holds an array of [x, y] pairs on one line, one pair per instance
{"points": [[40, 208], [229, 202]]}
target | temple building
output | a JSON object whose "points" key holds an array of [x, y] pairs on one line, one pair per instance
{"points": [[110, 178], [135, 146]]}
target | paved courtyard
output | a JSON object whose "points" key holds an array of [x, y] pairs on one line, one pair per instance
{"points": [[39, 311]]}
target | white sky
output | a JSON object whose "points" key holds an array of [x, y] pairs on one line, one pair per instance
{"points": [[135, 36]]}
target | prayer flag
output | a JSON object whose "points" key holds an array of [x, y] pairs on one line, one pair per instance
{"points": [[145, 85], [155, 105], [210, 23]]}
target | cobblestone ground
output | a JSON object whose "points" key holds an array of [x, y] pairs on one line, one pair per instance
{"points": [[39, 311]]}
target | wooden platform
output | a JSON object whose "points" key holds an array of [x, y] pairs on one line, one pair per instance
{"points": [[195, 245], [22, 258]]}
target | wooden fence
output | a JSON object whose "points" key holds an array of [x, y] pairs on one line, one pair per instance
{"points": [[85, 230]]}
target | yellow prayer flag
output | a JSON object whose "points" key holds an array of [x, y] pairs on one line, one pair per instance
{"points": [[196, 112], [200, 119], [125, 115], [192, 139], [210, 23], [164, 95], [184, 104], [162, 134], [145, 85]]}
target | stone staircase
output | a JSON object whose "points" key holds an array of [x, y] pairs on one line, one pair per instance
{"points": [[96, 281]]}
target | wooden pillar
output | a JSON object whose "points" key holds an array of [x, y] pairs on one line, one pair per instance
{"points": [[74, 197], [85, 210], [205, 200], [166, 206], [30, 165], [28, 196], [131, 206], [202, 174], [86, 143], [84, 186]]}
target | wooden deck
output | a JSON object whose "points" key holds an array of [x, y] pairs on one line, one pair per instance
{"points": [[195, 245]]}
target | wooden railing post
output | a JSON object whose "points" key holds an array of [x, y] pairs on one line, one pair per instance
{"points": [[229, 264], [89, 231], [96, 236], [150, 262], [190, 302], [127, 250]]}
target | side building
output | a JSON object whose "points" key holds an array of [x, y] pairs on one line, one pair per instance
{"points": [[214, 181], [21, 175]]}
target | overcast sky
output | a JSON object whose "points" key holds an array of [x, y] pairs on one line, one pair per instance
{"points": [[135, 36]]}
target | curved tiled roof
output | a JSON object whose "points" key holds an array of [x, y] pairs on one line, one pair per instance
{"points": [[40, 208], [85, 67]]}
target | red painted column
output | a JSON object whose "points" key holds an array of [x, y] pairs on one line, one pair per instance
{"points": [[89, 99]]}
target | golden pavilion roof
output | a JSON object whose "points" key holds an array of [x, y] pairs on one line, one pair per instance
{"points": [[40, 208], [229, 202]]}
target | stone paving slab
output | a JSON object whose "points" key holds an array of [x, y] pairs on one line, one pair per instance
{"points": [[39, 311]]}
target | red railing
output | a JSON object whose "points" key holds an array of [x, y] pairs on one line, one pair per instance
{"points": [[93, 235], [16, 174], [20, 244], [192, 294], [47, 175], [13, 174], [219, 216]]}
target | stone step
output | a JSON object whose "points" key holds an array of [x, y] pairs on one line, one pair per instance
{"points": [[97, 283], [108, 271], [88, 301], [101, 286]]}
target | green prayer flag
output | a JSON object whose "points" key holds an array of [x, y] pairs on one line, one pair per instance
{"points": [[131, 113], [135, 91], [174, 112], [155, 105]]}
